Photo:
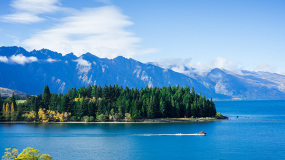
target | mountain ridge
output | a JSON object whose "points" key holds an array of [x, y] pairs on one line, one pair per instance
{"points": [[33, 70], [6, 92]]}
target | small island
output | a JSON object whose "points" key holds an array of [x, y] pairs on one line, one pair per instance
{"points": [[113, 104]]}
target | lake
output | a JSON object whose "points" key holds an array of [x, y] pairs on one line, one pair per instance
{"points": [[257, 133]]}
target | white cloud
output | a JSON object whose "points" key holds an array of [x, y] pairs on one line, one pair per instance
{"points": [[220, 63], [100, 31], [267, 68], [4, 59], [185, 66], [20, 59], [50, 60], [29, 11], [175, 64], [35, 6], [22, 18], [223, 63], [83, 66], [82, 62]]}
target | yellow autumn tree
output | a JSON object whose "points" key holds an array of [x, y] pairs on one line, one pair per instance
{"points": [[52, 116], [13, 116], [29, 153], [10, 155], [31, 116], [33, 154], [66, 115], [128, 117], [43, 116], [7, 111], [45, 157], [58, 116], [61, 117]]}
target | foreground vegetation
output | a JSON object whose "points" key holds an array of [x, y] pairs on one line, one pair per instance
{"points": [[110, 103], [28, 154]]}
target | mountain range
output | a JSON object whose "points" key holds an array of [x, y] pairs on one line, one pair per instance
{"points": [[29, 72]]}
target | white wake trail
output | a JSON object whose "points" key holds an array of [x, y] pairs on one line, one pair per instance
{"points": [[177, 134]]}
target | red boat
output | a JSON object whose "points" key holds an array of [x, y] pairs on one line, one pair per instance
{"points": [[201, 133]]}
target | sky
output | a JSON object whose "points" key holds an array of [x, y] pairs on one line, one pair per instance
{"points": [[204, 34]]}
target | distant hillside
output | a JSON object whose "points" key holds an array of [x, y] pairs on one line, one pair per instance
{"points": [[29, 72], [5, 92]]}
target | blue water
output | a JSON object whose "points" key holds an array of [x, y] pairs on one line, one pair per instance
{"points": [[258, 133]]}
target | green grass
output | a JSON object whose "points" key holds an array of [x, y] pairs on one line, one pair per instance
{"points": [[20, 101]]}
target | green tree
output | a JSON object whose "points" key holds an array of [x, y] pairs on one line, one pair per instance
{"points": [[53, 102], [46, 96], [1, 104], [13, 99]]}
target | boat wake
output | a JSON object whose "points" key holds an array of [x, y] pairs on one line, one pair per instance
{"points": [[177, 134]]}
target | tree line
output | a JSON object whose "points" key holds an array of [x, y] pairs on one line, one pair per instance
{"points": [[109, 103]]}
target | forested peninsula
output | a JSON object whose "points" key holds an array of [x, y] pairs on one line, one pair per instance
{"points": [[108, 103]]}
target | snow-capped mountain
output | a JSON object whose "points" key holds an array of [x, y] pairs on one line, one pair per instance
{"points": [[29, 72]]}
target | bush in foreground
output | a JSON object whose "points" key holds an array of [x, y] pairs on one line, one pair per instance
{"points": [[28, 153]]}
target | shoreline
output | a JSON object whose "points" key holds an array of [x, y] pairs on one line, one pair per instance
{"points": [[156, 120]]}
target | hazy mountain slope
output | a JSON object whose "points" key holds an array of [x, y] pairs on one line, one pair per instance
{"points": [[244, 86], [5, 92]]}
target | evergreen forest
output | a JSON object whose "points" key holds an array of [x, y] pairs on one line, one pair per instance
{"points": [[108, 103]]}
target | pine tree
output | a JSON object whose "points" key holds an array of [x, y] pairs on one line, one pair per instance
{"points": [[46, 97], [1, 104], [13, 98], [53, 102], [4, 110], [163, 108]]}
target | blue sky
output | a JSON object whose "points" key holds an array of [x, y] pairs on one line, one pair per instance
{"points": [[241, 34]]}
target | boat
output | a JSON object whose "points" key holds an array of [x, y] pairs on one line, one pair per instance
{"points": [[202, 133]]}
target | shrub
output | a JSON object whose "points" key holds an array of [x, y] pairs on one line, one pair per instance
{"points": [[128, 117], [86, 118], [91, 119], [73, 118], [219, 115], [101, 118]]}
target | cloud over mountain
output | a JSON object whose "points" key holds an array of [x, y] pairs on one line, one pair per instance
{"points": [[21, 59], [3, 59]]}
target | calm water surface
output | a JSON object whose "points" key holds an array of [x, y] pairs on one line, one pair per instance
{"points": [[258, 133]]}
